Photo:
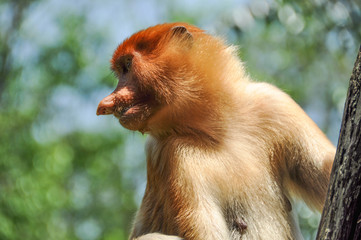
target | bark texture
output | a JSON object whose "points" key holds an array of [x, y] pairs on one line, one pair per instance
{"points": [[341, 217]]}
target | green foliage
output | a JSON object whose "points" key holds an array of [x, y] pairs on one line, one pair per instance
{"points": [[56, 182]]}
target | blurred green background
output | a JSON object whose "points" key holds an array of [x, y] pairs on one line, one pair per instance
{"points": [[66, 173]]}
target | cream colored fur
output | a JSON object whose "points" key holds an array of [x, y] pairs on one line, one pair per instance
{"points": [[270, 151], [225, 155]]}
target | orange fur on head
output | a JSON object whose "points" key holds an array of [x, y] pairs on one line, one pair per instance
{"points": [[225, 155]]}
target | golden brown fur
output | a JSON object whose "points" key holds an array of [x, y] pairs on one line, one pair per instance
{"points": [[225, 154]]}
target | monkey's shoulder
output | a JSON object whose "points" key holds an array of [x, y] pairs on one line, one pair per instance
{"points": [[264, 97], [266, 91]]}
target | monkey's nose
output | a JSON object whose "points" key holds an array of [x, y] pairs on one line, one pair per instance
{"points": [[106, 106]]}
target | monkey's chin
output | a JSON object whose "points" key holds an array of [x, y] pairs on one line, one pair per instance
{"points": [[134, 118], [133, 126]]}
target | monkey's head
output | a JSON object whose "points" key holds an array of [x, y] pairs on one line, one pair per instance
{"points": [[159, 71]]}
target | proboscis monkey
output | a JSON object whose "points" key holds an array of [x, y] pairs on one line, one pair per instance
{"points": [[225, 155]]}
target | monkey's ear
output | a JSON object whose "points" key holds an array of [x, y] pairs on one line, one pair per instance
{"points": [[183, 34]]}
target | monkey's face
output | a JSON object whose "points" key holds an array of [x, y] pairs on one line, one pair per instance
{"points": [[150, 70], [130, 102]]}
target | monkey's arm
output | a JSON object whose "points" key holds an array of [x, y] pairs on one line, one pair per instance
{"points": [[309, 172], [178, 199], [201, 220], [308, 158], [301, 152]]}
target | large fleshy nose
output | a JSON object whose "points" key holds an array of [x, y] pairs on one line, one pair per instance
{"points": [[106, 106]]}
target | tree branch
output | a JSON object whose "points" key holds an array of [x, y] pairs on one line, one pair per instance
{"points": [[341, 215]]}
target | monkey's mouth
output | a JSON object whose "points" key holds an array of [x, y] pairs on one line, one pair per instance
{"points": [[125, 111], [120, 111]]}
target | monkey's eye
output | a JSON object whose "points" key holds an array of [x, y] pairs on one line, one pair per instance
{"points": [[126, 64]]}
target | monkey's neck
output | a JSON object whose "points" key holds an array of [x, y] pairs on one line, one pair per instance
{"points": [[204, 119], [206, 127]]}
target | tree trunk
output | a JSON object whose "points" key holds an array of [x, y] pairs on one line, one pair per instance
{"points": [[341, 217]]}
